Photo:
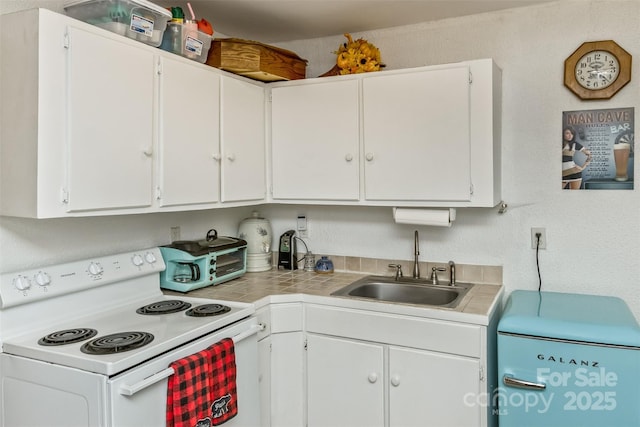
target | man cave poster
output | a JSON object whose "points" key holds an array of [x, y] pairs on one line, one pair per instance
{"points": [[597, 149]]}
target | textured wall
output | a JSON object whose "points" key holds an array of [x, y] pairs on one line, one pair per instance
{"points": [[593, 237]]}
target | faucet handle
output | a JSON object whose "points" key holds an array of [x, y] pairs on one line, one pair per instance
{"points": [[398, 268], [434, 274]]}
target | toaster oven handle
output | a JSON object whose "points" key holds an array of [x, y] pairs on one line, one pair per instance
{"points": [[130, 390], [510, 381]]}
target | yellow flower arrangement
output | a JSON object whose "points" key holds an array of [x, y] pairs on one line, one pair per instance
{"points": [[355, 57]]}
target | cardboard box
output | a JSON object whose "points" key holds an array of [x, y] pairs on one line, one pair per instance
{"points": [[256, 60]]}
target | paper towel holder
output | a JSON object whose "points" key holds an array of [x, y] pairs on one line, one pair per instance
{"points": [[424, 216]]}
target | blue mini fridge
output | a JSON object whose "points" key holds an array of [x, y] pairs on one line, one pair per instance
{"points": [[568, 360]]}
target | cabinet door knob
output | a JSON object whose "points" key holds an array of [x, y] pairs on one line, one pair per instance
{"points": [[369, 157], [231, 157], [148, 152], [216, 157], [348, 157], [395, 381], [373, 377]]}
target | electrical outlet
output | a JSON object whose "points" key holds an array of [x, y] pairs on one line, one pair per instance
{"points": [[534, 239], [175, 233]]}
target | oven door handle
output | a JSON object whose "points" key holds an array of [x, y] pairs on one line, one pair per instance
{"points": [[130, 390]]}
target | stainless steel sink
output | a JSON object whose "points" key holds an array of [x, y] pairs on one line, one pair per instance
{"points": [[405, 290]]}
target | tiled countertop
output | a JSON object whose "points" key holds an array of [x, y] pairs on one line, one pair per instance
{"points": [[276, 286]]}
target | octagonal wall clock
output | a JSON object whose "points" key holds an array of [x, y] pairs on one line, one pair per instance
{"points": [[597, 70]]}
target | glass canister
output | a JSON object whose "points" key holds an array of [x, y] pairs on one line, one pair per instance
{"points": [[309, 262]]}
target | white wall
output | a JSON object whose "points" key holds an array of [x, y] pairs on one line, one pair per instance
{"points": [[593, 236]]}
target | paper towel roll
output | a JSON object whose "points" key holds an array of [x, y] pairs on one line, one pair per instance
{"points": [[437, 217]]}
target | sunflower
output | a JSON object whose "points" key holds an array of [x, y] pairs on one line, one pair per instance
{"points": [[355, 57]]}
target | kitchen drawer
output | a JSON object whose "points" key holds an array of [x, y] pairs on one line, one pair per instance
{"points": [[280, 318], [428, 334]]}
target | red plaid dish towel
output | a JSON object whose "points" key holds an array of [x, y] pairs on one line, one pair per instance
{"points": [[223, 385], [202, 391]]}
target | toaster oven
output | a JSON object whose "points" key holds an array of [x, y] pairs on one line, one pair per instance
{"points": [[197, 264]]}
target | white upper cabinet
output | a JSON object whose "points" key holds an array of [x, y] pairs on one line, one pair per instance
{"points": [[106, 125], [243, 157], [315, 141], [427, 136], [77, 119], [189, 139], [97, 124], [110, 116], [416, 135]]}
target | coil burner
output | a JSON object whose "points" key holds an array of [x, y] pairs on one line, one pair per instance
{"points": [[164, 307], [206, 310], [117, 343], [67, 336]]}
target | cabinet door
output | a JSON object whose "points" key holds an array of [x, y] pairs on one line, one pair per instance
{"points": [[189, 120], [243, 147], [416, 135], [264, 380], [110, 123], [315, 139], [435, 389], [287, 379], [345, 383]]}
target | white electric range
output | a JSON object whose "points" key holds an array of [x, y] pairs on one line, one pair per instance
{"points": [[89, 343]]}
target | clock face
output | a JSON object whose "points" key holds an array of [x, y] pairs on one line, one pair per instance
{"points": [[597, 70]]}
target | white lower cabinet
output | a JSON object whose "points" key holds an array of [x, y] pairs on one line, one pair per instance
{"points": [[331, 366], [429, 388], [348, 381], [367, 368], [345, 382], [282, 365]]}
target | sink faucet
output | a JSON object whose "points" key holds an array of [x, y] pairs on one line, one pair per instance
{"points": [[398, 268], [416, 252]]}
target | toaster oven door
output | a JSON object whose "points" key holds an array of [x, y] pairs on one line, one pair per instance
{"points": [[230, 264]]}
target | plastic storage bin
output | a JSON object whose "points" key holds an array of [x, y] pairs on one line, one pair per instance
{"points": [[184, 41], [140, 20]]}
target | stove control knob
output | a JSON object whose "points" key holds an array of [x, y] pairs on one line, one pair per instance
{"points": [[137, 260], [95, 269], [150, 257], [43, 279], [22, 283]]}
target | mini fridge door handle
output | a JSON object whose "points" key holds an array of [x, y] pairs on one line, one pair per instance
{"points": [[510, 381]]}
